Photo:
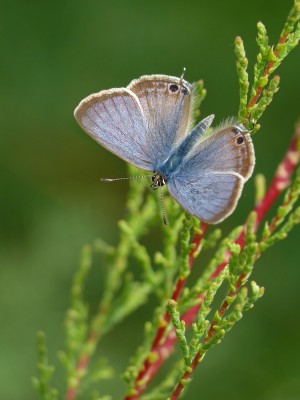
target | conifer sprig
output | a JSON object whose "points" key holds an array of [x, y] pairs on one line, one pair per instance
{"points": [[253, 105]]}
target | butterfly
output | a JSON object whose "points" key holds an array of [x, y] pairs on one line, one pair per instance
{"points": [[150, 124]]}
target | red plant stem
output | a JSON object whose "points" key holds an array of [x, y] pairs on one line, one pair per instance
{"points": [[145, 372], [282, 176], [279, 182], [266, 72], [211, 333], [81, 367]]}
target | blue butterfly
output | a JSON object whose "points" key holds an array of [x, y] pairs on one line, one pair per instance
{"points": [[150, 125]]}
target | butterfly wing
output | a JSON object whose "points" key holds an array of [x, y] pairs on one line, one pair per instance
{"points": [[211, 197], [167, 103], [228, 148], [115, 119], [211, 177]]}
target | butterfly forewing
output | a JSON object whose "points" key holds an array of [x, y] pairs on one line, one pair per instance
{"points": [[167, 104], [115, 119]]}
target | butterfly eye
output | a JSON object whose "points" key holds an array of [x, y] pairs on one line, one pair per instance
{"points": [[240, 140], [173, 88]]}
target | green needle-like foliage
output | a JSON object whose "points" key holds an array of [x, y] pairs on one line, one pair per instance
{"points": [[253, 105], [45, 370]]}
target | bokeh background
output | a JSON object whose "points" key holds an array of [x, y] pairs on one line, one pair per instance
{"points": [[54, 53]]}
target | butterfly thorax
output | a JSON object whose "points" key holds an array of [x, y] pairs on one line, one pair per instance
{"points": [[158, 180], [171, 165]]}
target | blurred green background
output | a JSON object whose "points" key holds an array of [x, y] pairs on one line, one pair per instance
{"points": [[54, 53]]}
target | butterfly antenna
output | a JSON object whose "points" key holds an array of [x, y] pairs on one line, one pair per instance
{"points": [[163, 207], [123, 179], [183, 73]]}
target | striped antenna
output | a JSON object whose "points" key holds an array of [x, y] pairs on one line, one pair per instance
{"points": [[123, 179], [183, 73]]}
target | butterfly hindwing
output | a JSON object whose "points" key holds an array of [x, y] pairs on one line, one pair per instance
{"points": [[211, 197], [209, 180], [228, 148]]}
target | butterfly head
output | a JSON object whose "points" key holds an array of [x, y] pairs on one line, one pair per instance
{"points": [[158, 180]]}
